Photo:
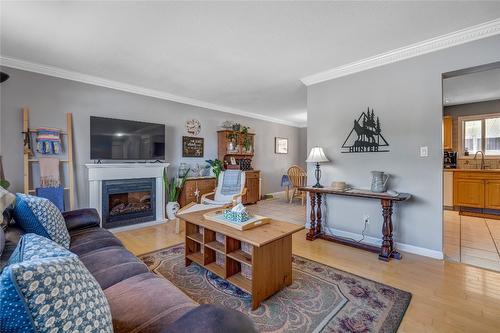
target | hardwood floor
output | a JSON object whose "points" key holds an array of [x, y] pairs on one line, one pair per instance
{"points": [[447, 296], [472, 240]]}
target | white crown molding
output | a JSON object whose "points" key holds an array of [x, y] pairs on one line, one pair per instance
{"points": [[463, 36], [98, 81]]}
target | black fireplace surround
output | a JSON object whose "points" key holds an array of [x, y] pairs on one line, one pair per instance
{"points": [[128, 201]]}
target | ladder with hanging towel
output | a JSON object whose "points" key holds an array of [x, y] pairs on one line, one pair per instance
{"points": [[29, 160]]}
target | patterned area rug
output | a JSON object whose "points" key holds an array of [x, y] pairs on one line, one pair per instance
{"points": [[320, 299]]}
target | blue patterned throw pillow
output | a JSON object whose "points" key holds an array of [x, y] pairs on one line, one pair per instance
{"points": [[40, 216], [52, 295], [33, 246]]}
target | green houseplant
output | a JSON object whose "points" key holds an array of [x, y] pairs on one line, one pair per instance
{"points": [[217, 167], [173, 188]]}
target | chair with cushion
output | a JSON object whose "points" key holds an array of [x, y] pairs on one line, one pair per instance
{"points": [[298, 178], [230, 189]]}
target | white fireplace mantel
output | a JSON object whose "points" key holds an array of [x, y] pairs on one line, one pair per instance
{"points": [[97, 173]]}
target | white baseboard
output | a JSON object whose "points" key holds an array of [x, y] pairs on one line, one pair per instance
{"points": [[136, 226], [400, 246], [276, 193]]}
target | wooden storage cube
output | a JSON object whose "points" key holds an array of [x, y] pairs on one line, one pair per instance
{"points": [[239, 251], [212, 264], [194, 251], [235, 276], [194, 232], [215, 242]]}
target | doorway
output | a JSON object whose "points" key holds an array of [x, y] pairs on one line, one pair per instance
{"points": [[471, 166]]}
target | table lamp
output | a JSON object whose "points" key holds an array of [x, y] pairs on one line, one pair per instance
{"points": [[317, 156]]}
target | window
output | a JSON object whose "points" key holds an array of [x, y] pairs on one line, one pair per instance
{"points": [[480, 133]]}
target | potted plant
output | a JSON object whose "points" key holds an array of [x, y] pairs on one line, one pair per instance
{"points": [[217, 167], [247, 143], [173, 188]]}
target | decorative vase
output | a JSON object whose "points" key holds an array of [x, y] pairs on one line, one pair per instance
{"points": [[172, 208]]}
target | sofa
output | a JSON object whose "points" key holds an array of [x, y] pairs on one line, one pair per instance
{"points": [[140, 301]]}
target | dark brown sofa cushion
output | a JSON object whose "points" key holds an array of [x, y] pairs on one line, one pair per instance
{"points": [[209, 318], [146, 303], [111, 265], [91, 239]]}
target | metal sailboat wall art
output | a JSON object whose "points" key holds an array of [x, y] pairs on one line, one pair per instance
{"points": [[366, 135]]}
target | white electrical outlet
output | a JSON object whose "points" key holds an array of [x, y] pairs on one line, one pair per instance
{"points": [[366, 219], [424, 151]]}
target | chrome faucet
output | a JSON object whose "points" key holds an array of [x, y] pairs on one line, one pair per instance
{"points": [[482, 158]]}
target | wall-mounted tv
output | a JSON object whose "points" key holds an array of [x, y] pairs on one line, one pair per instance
{"points": [[117, 139]]}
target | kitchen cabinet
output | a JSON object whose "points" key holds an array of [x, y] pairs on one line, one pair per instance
{"points": [[447, 133], [492, 194], [476, 188], [469, 193]]}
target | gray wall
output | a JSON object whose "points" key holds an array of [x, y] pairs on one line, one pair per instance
{"points": [[469, 109], [50, 98], [303, 147], [407, 96]]}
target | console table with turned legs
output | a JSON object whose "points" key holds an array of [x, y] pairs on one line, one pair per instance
{"points": [[386, 250]]}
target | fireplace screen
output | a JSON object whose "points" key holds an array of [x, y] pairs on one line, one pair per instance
{"points": [[128, 201]]}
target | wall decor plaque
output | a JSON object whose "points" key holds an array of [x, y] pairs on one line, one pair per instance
{"points": [[366, 135], [192, 146]]}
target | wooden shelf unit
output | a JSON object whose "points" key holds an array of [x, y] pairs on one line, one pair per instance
{"points": [[258, 261], [29, 158], [202, 248]]}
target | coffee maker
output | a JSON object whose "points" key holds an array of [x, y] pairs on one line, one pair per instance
{"points": [[450, 160]]}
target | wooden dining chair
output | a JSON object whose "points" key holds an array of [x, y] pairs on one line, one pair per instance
{"points": [[298, 178]]}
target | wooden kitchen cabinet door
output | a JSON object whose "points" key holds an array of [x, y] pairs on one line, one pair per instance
{"points": [[492, 194], [447, 133], [468, 193]]}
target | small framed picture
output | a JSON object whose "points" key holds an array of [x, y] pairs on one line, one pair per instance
{"points": [[281, 145]]}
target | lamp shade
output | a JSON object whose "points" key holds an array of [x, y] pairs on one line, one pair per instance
{"points": [[317, 155]]}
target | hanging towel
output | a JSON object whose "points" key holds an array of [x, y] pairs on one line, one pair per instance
{"points": [[54, 194], [49, 172], [231, 182], [48, 141]]}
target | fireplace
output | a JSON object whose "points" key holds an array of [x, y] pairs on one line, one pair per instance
{"points": [[128, 201]]}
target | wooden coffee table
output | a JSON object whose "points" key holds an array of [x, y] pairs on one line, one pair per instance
{"points": [[266, 261]]}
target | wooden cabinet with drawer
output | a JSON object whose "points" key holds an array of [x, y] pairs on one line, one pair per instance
{"points": [[252, 183], [188, 193]]}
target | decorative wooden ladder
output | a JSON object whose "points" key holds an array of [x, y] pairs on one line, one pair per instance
{"points": [[28, 159]]}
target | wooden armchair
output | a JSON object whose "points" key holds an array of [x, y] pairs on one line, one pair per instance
{"points": [[298, 178], [220, 199]]}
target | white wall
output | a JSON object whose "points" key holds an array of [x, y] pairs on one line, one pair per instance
{"points": [[407, 96], [51, 98]]}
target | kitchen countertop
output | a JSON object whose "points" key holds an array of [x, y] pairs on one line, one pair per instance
{"points": [[472, 170]]}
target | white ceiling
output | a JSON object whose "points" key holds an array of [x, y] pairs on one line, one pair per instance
{"points": [[248, 56], [470, 88]]}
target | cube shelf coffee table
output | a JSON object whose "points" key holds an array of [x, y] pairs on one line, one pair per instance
{"points": [[258, 261]]}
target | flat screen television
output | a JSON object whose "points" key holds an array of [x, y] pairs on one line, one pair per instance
{"points": [[117, 139]]}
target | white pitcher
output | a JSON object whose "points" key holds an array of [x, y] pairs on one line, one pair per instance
{"points": [[379, 181]]}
